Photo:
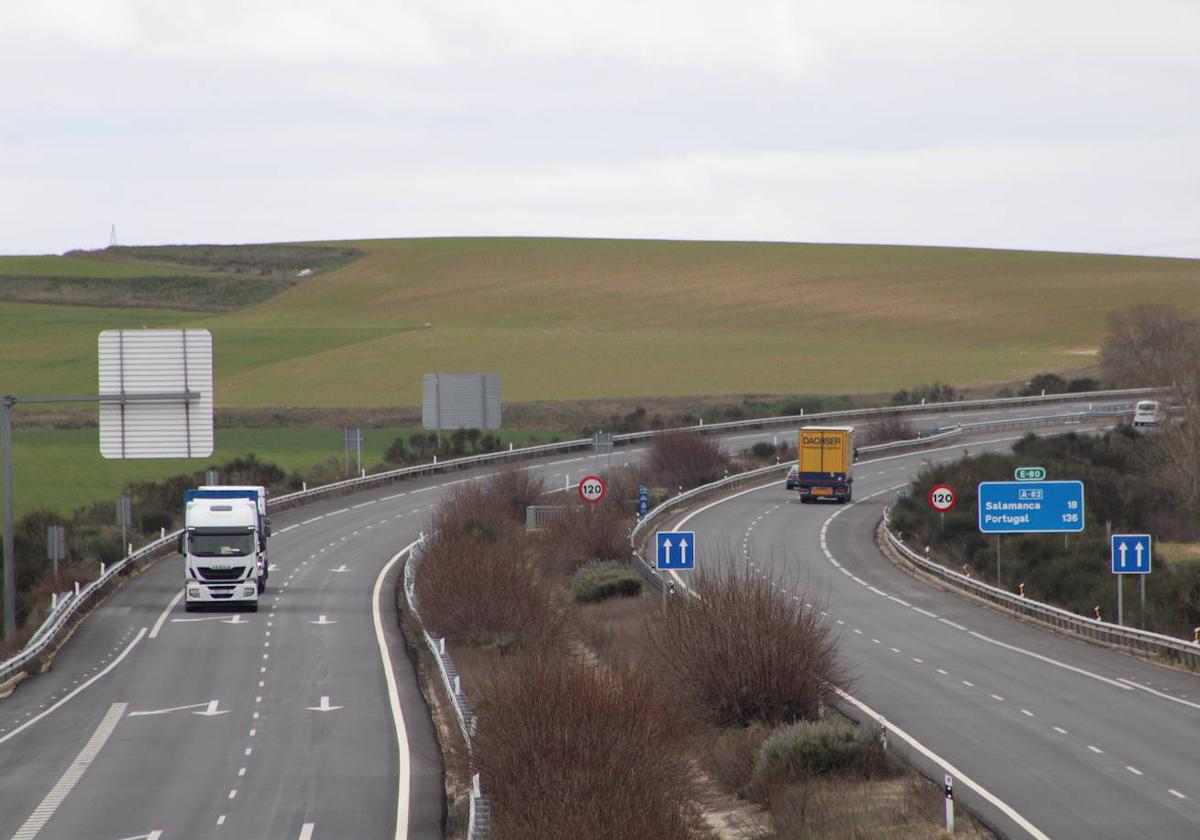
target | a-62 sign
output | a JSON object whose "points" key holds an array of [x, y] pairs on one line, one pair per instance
{"points": [[942, 497]]}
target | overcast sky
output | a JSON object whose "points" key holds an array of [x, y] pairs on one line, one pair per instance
{"points": [[1051, 124]]}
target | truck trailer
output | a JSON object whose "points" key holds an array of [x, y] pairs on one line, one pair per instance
{"points": [[825, 463], [224, 543]]}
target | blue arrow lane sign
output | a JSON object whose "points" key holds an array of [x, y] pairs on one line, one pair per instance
{"points": [[1131, 554], [676, 549]]}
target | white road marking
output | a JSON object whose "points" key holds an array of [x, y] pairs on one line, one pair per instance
{"points": [[997, 697], [363, 505], [288, 528], [43, 812], [402, 786], [1133, 770], [1176, 793], [952, 624], [958, 775], [163, 616], [313, 519], [899, 601], [306, 831], [233, 793], [924, 612], [1027, 713], [221, 820], [1096, 750], [338, 511], [1050, 661], [1164, 696], [1060, 730], [79, 689], [943, 672], [393, 496], [918, 661]]}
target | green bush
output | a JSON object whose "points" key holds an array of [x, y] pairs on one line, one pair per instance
{"points": [[820, 747], [601, 581]]}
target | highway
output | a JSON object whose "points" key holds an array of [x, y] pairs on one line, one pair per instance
{"points": [[290, 722], [1080, 740]]}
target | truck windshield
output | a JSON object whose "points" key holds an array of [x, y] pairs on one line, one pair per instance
{"points": [[217, 544]]}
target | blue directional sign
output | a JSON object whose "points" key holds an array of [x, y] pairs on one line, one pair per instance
{"points": [[676, 549], [1030, 507], [1131, 554], [643, 500]]}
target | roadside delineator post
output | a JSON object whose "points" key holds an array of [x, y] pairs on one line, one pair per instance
{"points": [[1021, 589], [1196, 635], [949, 803], [1097, 610]]}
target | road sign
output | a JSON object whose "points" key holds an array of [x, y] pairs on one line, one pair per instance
{"points": [[676, 549], [1131, 554], [1030, 473], [942, 497], [1030, 507], [643, 500], [592, 488]]}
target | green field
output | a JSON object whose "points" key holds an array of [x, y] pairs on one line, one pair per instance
{"points": [[559, 320], [568, 319], [61, 469]]}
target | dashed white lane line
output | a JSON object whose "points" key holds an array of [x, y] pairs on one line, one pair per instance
{"points": [[997, 697], [306, 831], [968, 684], [1176, 793], [918, 660], [221, 820], [363, 505], [1133, 770], [78, 689], [1060, 730], [1096, 750], [313, 519], [952, 624], [1027, 713], [44, 811], [924, 612], [943, 672], [393, 496], [899, 601]]}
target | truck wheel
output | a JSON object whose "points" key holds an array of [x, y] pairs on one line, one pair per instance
{"points": [[189, 606], [252, 607], [262, 585]]}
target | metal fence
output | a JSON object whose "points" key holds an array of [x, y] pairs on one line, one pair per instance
{"points": [[68, 609], [479, 822], [1142, 642]]}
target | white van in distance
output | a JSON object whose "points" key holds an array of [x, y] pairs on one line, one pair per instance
{"points": [[1146, 413]]}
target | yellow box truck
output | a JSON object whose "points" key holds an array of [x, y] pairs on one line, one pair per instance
{"points": [[826, 463]]}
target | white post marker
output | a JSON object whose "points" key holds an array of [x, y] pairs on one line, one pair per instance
{"points": [[949, 803]]}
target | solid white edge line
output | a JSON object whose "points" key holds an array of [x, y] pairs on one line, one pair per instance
{"points": [[163, 617], [72, 775], [404, 779], [1048, 660], [111, 665], [958, 775], [1179, 700]]}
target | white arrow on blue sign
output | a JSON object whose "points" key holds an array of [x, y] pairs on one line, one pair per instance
{"points": [[1131, 554], [676, 549]]}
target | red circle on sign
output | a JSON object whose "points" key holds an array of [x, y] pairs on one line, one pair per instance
{"points": [[942, 497], [592, 488]]}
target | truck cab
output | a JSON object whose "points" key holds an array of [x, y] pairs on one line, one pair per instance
{"points": [[222, 543]]}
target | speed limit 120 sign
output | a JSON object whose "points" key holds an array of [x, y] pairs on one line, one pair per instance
{"points": [[941, 497], [592, 488]]}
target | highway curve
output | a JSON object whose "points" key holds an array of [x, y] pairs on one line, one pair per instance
{"points": [[1080, 740], [160, 724]]}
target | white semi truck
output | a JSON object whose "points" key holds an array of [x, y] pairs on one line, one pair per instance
{"points": [[224, 545]]}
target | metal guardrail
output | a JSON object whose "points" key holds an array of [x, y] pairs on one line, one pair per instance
{"points": [[1115, 635], [61, 616], [479, 818]]}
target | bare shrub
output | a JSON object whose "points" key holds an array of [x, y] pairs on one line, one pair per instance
{"points": [[567, 750], [584, 535], [685, 459], [479, 592], [884, 428], [516, 489], [1149, 345], [473, 510], [744, 651]]}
